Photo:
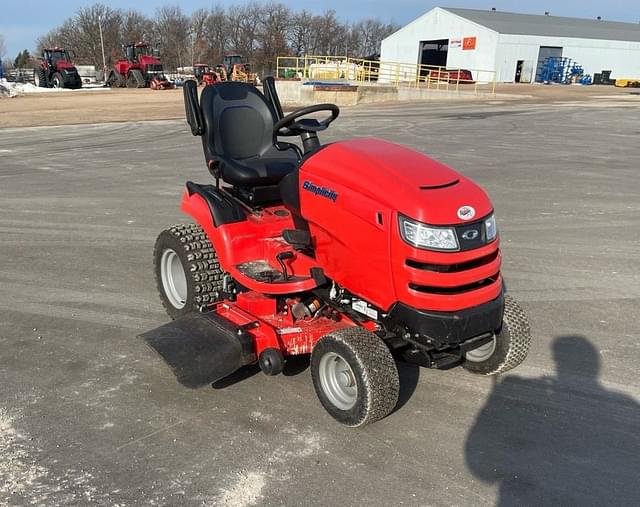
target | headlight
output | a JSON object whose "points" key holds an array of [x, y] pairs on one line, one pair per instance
{"points": [[425, 236], [490, 226]]}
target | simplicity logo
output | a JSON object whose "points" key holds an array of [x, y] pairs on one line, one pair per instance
{"points": [[321, 191]]}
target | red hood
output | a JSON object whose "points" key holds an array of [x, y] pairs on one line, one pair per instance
{"points": [[148, 60], [62, 64], [400, 178]]}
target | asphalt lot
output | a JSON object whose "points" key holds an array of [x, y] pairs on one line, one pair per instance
{"points": [[88, 415]]}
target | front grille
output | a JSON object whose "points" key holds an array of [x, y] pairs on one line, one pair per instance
{"points": [[453, 268], [153, 68], [471, 236], [454, 290]]}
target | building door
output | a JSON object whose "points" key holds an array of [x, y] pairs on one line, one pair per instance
{"points": [[434, 52], [519, 65], [544, 53]]}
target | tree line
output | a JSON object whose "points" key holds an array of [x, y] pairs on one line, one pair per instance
{"points": [[259, 32]]}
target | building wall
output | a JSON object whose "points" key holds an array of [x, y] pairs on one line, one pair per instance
{"points": [[500, 52], [622, 58], [404, 45]]}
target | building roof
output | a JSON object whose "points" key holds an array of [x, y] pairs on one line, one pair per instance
{"points": [[551, 26]]}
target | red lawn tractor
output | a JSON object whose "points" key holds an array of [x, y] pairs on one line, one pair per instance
{"points": [[360, 253], [141, 68], [56, 70]]}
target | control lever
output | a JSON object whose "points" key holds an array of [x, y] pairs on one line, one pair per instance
{"points": [[281, 257]]}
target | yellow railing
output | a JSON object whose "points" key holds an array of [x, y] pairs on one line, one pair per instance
{"points": [[342, 68]]}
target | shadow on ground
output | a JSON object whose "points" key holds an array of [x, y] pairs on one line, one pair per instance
{"points": [[563, 440]]}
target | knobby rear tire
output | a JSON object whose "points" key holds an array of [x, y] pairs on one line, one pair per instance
{"points": [[204, 276]]}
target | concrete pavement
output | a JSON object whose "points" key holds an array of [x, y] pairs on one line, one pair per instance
{"points": [[88, 415]]}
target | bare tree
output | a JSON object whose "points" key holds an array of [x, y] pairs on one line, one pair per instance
{"points": [[197, 35], [216, 33], [172, 28], [243, 24], [300, 33], [275, 21], [370, 33], [136, 27], [3, 46]]}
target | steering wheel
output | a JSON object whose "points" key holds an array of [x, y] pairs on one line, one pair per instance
{"points": [[290, 125]]}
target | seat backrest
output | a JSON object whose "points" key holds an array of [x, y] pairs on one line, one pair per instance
{"points": [[238, 121]]}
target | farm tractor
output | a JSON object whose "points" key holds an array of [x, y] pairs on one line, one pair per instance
{"points": [[141, 68], [56, 70]]}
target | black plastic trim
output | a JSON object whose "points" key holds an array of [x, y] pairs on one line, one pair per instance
{"points": [[460, 289], [453, 268], [193, 112], [444, 329], [290, 191], [223, 209]]}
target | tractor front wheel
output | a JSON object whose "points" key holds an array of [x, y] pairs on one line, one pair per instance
{"points": [[57, 81], [187, 270], [509, 346], [355, 376]]}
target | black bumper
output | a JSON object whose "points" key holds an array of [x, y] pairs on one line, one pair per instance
{"points": [[445, 329]]}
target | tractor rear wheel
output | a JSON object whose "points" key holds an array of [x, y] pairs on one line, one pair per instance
{"points": [[57, 81], [355, 376], [508, 348], [40, 78], [188, 273]]}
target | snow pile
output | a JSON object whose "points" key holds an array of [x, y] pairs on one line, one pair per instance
{"points": [[5, 89], [10, 89]]}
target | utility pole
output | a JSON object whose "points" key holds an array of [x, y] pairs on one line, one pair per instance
{"points": [[104, 62]]}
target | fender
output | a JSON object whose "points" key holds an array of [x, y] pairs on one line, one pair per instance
{"points": [[239, 238], [211, 210], [223, 210]]}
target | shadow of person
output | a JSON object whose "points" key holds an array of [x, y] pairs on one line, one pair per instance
{"points": [[563, 440]]}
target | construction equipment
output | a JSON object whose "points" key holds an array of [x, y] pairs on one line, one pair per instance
{"points": [[359, 252], [141, 68], [627, 83], [55, 69], [238, 69]]}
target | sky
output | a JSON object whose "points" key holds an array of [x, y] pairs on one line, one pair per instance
{"points": [[23, 21]]}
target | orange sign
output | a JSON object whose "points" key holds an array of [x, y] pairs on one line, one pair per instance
{"points": [[468, 43]]}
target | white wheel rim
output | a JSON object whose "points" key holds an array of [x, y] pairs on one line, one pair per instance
{"points": [[338, 381], [36, 79], [174, 279], [482, 353]]}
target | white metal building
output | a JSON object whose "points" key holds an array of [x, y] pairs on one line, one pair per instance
{"points": [[514, 45]]}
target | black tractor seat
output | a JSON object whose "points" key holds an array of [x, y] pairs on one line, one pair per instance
{"points": [[237, 136], [267, 169]]}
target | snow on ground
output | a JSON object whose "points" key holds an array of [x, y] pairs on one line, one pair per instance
{"points": [[10, 89]]}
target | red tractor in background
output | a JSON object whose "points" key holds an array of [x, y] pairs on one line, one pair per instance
{"points": [[206, 75], [141, 68], [56, 70]]}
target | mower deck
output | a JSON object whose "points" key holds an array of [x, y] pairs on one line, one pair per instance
{"points": [[201, 348]]}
